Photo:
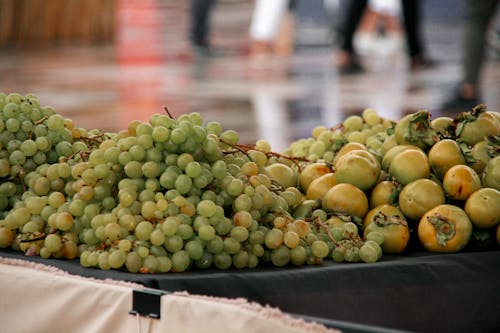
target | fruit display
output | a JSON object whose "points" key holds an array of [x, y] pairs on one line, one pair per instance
{"points": [[175, 194]]}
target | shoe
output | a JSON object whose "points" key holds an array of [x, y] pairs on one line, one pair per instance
{"points": [[202, 50], [458, 103], [422, 63], [351, 68]]}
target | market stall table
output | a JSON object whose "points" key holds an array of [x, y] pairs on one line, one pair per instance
{"points": [[421, 292]]}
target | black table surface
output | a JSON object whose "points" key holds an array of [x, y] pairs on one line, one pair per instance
{"points": [[417, 292]]}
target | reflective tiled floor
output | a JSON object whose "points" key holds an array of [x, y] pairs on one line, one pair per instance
{"points": [[277, 98]]}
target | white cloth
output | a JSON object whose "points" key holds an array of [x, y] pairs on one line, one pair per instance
{"points": [[40, 298], [266, 19]]}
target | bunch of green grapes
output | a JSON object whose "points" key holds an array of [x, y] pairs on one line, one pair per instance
{"points": [[163, 195], [30, 136], [369, 129], [349, 246]]}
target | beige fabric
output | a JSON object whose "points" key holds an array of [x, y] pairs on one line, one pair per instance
{"points": [[37, 298]]}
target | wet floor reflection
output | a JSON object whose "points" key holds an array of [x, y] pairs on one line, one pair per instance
{"points": [[279, 99]]}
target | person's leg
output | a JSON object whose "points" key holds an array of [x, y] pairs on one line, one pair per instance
{"points": [[347, 59], [412, 18], [354, 12], [411, 22], [200, 21], [477, 20]]}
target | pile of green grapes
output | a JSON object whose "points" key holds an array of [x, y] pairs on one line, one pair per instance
{"points": [[175, 194], [167, 195]]}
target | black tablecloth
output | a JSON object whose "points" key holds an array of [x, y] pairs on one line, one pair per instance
{"points": [[419, 292]]}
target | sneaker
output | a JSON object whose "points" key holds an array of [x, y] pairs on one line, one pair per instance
{"points": [[458, 103], [351, 68], [422, 63]]}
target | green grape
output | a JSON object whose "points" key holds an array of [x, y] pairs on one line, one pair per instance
{"points": [[142, 251], [298, 255], [206, 208], [243, 218], [133, 262], [291, 239], [280, 256], [160, 134], [4, 168], [256, 237], [112, 231], [35, 204], [214, 127], [263, 146], [223, 226], [375, 246], [356, 136], [178, 135], [53, 243], [274, 238], [211, 149], [64, 221], [222, 260], [173, 243], [12, 125], [180, 261], [353, 123], [231, 245], [205, 261], [150, 264], [235, 187], [103, 260], [239, 233], [125, 245], [352, 254], [240, 259], [371, 117], [350, 229], [117, 259], [206, 232], [319, 249], [143, 230], [133, 169], [89, 237], [55, 123], [194, 248], [157, 237], [216, 245], [145, 140], [368, 253], [375, 236], [183, 184], [338, 254], [29, 147], [193, 169], [164, 264], [185, 231], [64, 148], [6, 237], [17, 157], [243, 203]]}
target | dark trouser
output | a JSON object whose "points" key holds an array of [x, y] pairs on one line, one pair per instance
{"points": [[477, 19], [411, 15], [200, 21]]}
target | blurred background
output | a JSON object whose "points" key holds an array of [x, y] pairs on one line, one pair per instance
{"points": [[104, 63]]}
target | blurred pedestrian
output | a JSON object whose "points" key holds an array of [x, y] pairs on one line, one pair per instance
{"points": [[478, 17], [271, 27], [199, 25], [348, 59]]}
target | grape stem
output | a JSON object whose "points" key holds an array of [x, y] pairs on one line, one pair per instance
{"points": [[327, 230], [168, 112]]}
